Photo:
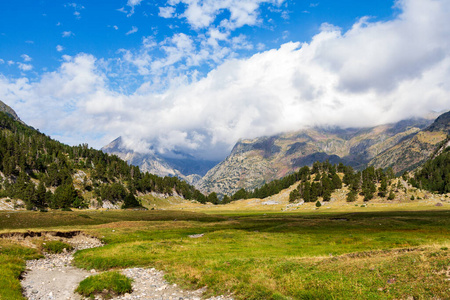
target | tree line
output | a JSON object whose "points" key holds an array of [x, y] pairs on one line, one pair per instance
{"points": [[322, 179], [434, 175]]}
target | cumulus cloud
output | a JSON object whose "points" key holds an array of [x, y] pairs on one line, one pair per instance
{"points": [[26, 58], [166, 12], [374, 73], [201, 14], [25, 67], [59, 48]]}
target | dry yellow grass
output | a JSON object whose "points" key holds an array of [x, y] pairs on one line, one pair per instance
{"points": [[423, 200]]}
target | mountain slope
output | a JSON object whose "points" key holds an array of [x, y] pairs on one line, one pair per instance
{"points": [[253, 162], [46, 173], [415, 150], [180, 165], [9, 111]]}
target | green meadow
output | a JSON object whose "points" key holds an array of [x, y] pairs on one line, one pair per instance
{"points": [[316, 255]]}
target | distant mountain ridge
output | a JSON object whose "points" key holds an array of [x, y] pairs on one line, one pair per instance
{"points": [[185, 167], [418, 148], [252, 162], [256, 161]]}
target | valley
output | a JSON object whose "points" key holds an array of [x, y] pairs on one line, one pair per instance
{"points": [[315, 214]]}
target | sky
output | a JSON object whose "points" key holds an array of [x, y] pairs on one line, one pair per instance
{"points": [[195, 76]]}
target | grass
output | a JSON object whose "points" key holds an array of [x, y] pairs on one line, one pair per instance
{"points": [[281, 256], [274, 255], [54, 246], [107, 284], [12, 264]]}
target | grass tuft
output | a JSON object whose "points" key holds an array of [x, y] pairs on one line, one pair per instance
{"points": [[55, 247], [107, 284]]}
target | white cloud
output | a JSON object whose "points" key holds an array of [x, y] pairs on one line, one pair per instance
{"points": [[25, 67], [376, 72], [133, 29], [132, 4], [26, 58], [115, 27], [166, 12], [59, 48], [67, 34], [2, 61], [201, 14], [76, 7]]}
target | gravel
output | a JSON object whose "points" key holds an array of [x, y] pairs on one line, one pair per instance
{"points": [[55, 278]]}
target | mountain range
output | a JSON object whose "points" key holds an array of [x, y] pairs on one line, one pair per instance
{"points": [[252, 162]]}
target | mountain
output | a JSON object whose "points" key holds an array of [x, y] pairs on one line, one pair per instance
{"points": [[256, 161], [176, 164], [416, 149], [9, 111], [43, 172]]}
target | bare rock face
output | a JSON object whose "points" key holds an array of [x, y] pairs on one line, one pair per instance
{"points": [[187, 168], [8, 110], [254, 162], [411, 152]]}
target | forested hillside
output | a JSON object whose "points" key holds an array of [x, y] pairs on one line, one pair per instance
{"points": [[322, 179], [46, 173], [434, 175]]}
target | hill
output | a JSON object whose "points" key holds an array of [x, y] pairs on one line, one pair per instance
{"points": [[42, 172]]}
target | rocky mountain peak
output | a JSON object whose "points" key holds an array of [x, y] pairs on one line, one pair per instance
{"points": [[442, 123], [8, 110]]}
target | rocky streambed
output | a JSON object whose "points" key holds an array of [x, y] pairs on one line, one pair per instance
{"points": [[55, 278]]}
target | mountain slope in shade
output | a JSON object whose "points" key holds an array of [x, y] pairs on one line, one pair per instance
{"points": [[254, 162], [414, 151], [179, 165]]}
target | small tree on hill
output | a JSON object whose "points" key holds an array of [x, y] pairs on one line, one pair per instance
{"points": [[294, 195]]}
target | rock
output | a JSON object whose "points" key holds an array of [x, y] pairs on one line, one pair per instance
{"points": [[196, 236]]}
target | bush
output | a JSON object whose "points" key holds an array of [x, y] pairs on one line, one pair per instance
{"points": [[318, 204], [110, 282]]}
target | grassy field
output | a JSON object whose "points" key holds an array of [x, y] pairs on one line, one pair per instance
{"points": [[259, 255]]}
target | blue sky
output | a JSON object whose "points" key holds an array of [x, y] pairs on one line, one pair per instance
{"points": [[197, 75], [46, 30]]}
